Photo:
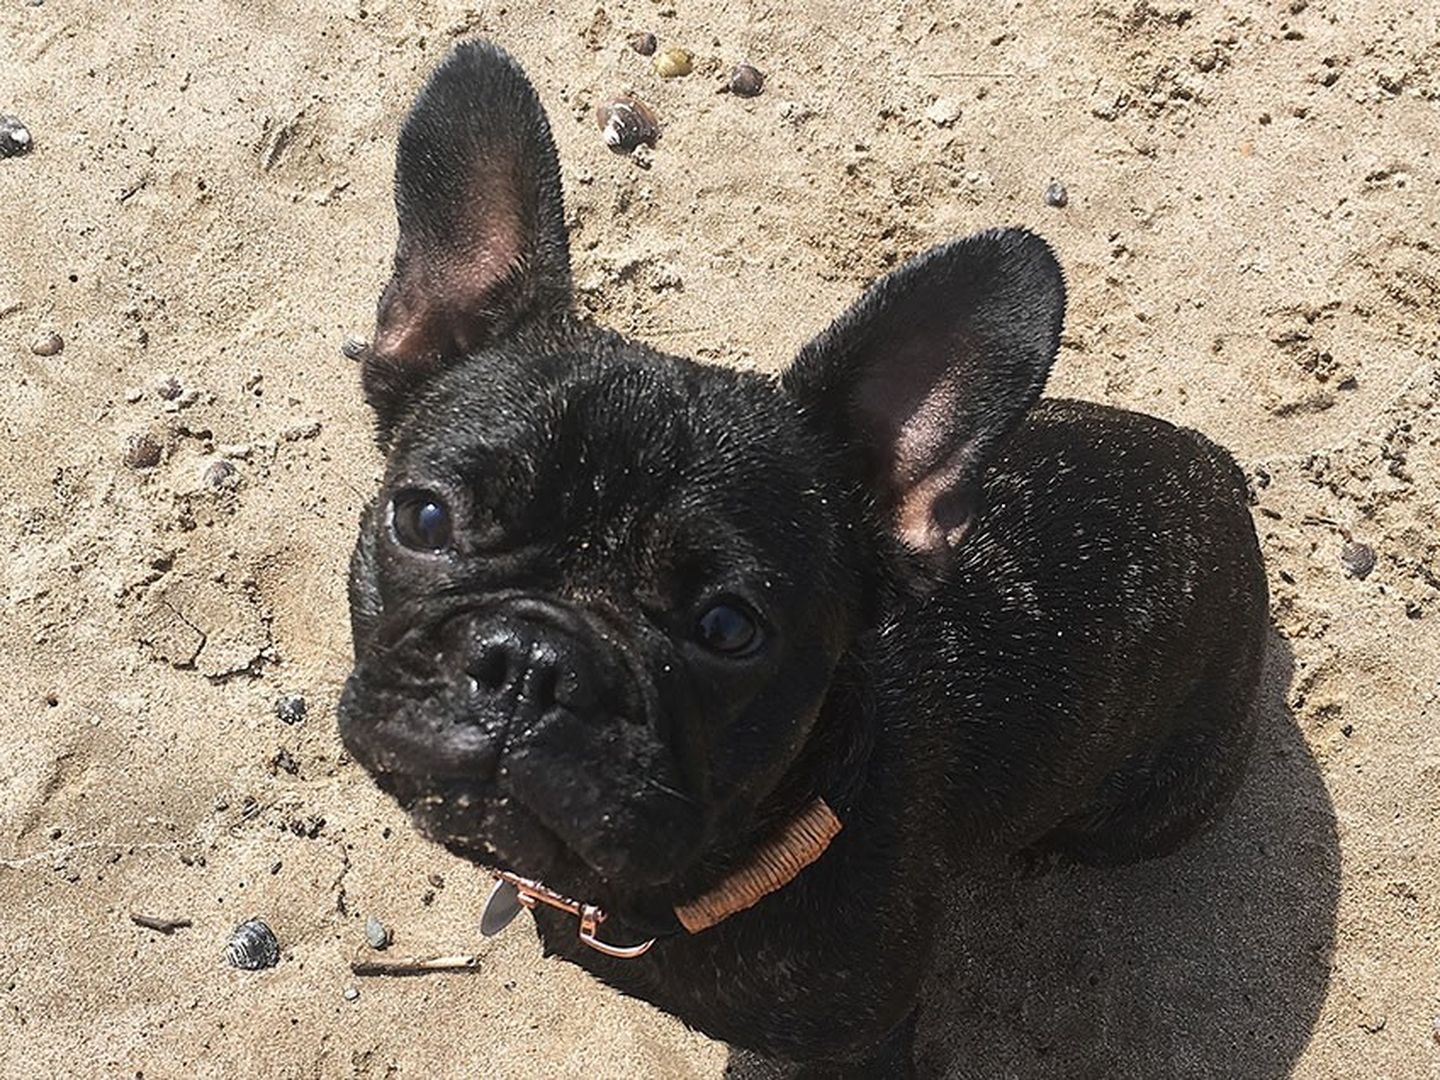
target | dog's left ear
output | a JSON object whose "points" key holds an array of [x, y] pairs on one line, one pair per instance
{"points": [[482, 244], [930, 369]]}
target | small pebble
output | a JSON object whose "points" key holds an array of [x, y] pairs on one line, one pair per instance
{"points": [[290, 709], [283, 761], [673, 63], [307, 430], [1056, 195], [627, 123], [143, 452], [14, 137], [746, 81], [436, 881], [169, 388], [133, 395], [943, 112], [219, 473], [1357, 559], [354, 348], [644, 44], [252, 946], [352, 994], [49, 344], [377, 933]]}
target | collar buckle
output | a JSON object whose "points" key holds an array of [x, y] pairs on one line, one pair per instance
{"points": [[514, 889]]}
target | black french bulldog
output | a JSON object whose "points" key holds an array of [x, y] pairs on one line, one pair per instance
{"points": [[653, 633]]}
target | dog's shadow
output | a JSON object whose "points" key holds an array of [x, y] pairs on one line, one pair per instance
{"points": [[1211, 962]]}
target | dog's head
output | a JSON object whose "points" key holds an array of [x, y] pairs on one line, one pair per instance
{"points": [[599, 602]]}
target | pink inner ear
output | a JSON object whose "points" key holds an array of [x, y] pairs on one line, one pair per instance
{"points": [[910, 409], [932, 511], [442, 300], [918, 521]]}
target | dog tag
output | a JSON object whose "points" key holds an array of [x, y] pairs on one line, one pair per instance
{"points": [[501, 909]]}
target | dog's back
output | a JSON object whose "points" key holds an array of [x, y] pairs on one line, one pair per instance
{"points": [[1097, 646]]}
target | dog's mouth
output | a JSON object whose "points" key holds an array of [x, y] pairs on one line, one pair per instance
{"points": [[592, 806], [498, 832]]}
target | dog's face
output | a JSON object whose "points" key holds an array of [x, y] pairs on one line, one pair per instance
{"points": [[601, 595], [579, 631]]}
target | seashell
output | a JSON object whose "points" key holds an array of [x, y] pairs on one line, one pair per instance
{"points": [[626, 123], [49, 344], [1357, 559], [252, 946], [644, 44], [1056, 195], [14, 137], [218, 474], [746, 80], [673, 63], [143, 451], [290, 709]]}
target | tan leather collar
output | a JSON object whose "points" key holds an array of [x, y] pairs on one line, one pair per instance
{"points": [[769, 869]]}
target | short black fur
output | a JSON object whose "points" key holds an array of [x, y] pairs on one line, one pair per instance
{"points": [[986, 625]]}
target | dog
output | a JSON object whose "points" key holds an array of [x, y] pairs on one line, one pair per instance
{"points": [[715, 669]]}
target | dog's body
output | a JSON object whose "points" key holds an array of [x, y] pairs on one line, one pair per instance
{"points": [[619, 617]]}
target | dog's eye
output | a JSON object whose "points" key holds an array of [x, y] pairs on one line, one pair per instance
{"points": [[728, 627], [421, 520]]}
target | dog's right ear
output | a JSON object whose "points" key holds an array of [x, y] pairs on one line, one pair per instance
{"points": [[482, 244]]}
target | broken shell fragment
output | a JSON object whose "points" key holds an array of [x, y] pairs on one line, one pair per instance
{"points": [[673, 63], [746, 80], [252, 946], [644, 44], [51, 344], [626, 123]]}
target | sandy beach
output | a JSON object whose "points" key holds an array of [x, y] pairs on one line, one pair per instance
{"points": [[1251, 234]]}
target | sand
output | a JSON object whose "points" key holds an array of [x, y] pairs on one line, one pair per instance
{"points": [[1250, 241]]}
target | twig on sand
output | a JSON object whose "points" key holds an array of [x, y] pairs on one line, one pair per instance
{"points": [[159, 922], [362, 964]]}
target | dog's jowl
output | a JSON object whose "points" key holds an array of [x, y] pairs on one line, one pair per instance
{"points": [[715, 669]]}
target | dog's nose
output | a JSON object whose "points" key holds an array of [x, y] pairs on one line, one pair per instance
{"points": [[530, 665], [508, 662]]}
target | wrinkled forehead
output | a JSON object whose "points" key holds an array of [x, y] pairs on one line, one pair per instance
{"points": [[543, 414], [615, 454]]}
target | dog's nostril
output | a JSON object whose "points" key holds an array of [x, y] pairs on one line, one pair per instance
{"points": [[492, 669]]}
